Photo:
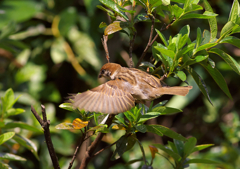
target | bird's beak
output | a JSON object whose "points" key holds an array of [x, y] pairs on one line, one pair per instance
{"points": [[100, 75]]}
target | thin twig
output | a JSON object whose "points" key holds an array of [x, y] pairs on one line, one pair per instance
{"points": [[45, 125], [130, 50], [89, 153], [110, 145], [77, 149], [149, 41], [104, 43]]}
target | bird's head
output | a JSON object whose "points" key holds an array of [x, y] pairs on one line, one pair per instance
{"points": [[109, 70]]}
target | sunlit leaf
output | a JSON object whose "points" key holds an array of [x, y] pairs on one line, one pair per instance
{"points": [[118, 127], [25, 142], [141, 17], [65, 125], [212, 21], [13, 157], [6, 136], [112, 28], [100, 128], [234, 13], [201, 147], [21, 125], [115, 7], [79, 124], [232, 40], [66, 106], [181, 75], [227, 28]]}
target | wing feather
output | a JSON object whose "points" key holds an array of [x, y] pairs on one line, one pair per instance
{"points": [[106, 98]]}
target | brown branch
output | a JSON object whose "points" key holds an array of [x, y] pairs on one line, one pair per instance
{"points": [[89, 153], [45, 125], [104, 43], [77, 149], [130, 50], [110, 145], [150, 42]]}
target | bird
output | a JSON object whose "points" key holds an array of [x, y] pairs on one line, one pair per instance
{"points": [[125, 87]]}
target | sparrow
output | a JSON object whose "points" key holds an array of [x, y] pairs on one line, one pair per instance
{"points": [[124, 88]]}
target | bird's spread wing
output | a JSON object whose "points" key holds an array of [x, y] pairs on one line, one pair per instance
{"points": [[106, 98]]}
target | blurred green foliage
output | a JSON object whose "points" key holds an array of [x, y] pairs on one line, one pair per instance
{"points": [[49, 48]]}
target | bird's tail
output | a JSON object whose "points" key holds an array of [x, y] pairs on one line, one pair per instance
{"points": [[176, 90]]}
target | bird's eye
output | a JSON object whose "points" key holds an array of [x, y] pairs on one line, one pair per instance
{"points": [[103, 71]]}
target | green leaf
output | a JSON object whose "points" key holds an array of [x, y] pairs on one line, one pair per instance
{"points": [[106, 10], [23, 141], [4, 166], [193, 7], [58, 53], [172, 145], [141, 17], [227, 58], [13, 9], [189, 146], [198, 58], [9, 29], [177, 11], [234, 13], [199, 37], [102, 25], [166, 110], [65, 126], [212, 21], [66, 106], [201, 84], [162, 37], [13, 157], [115, 7], [166, 2], [218, 78], [201, 147], [232, 40], [119, 118], [6, 136], [180, 147], [181, 75], [129, 116], [100, 128], [167, 52], [158, 129], [68, 18], [185, 50], [131, 140], [167, 150], [149, 115], [205, 15], [206, 46], [141, 128], [121, 147], [13, 112], [227, 28], [206, 37], [205, 161], [21, 125]]}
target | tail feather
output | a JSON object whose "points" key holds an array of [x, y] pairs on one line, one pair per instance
{"points": [[176, 90]]}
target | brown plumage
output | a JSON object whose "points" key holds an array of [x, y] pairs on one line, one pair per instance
{"points": [[126, 86]]}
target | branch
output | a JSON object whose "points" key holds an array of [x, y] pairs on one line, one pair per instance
{"points": [[104, 43], [130, 50], [150, 42], [77, 149], [89, 153], [45, 125]]}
